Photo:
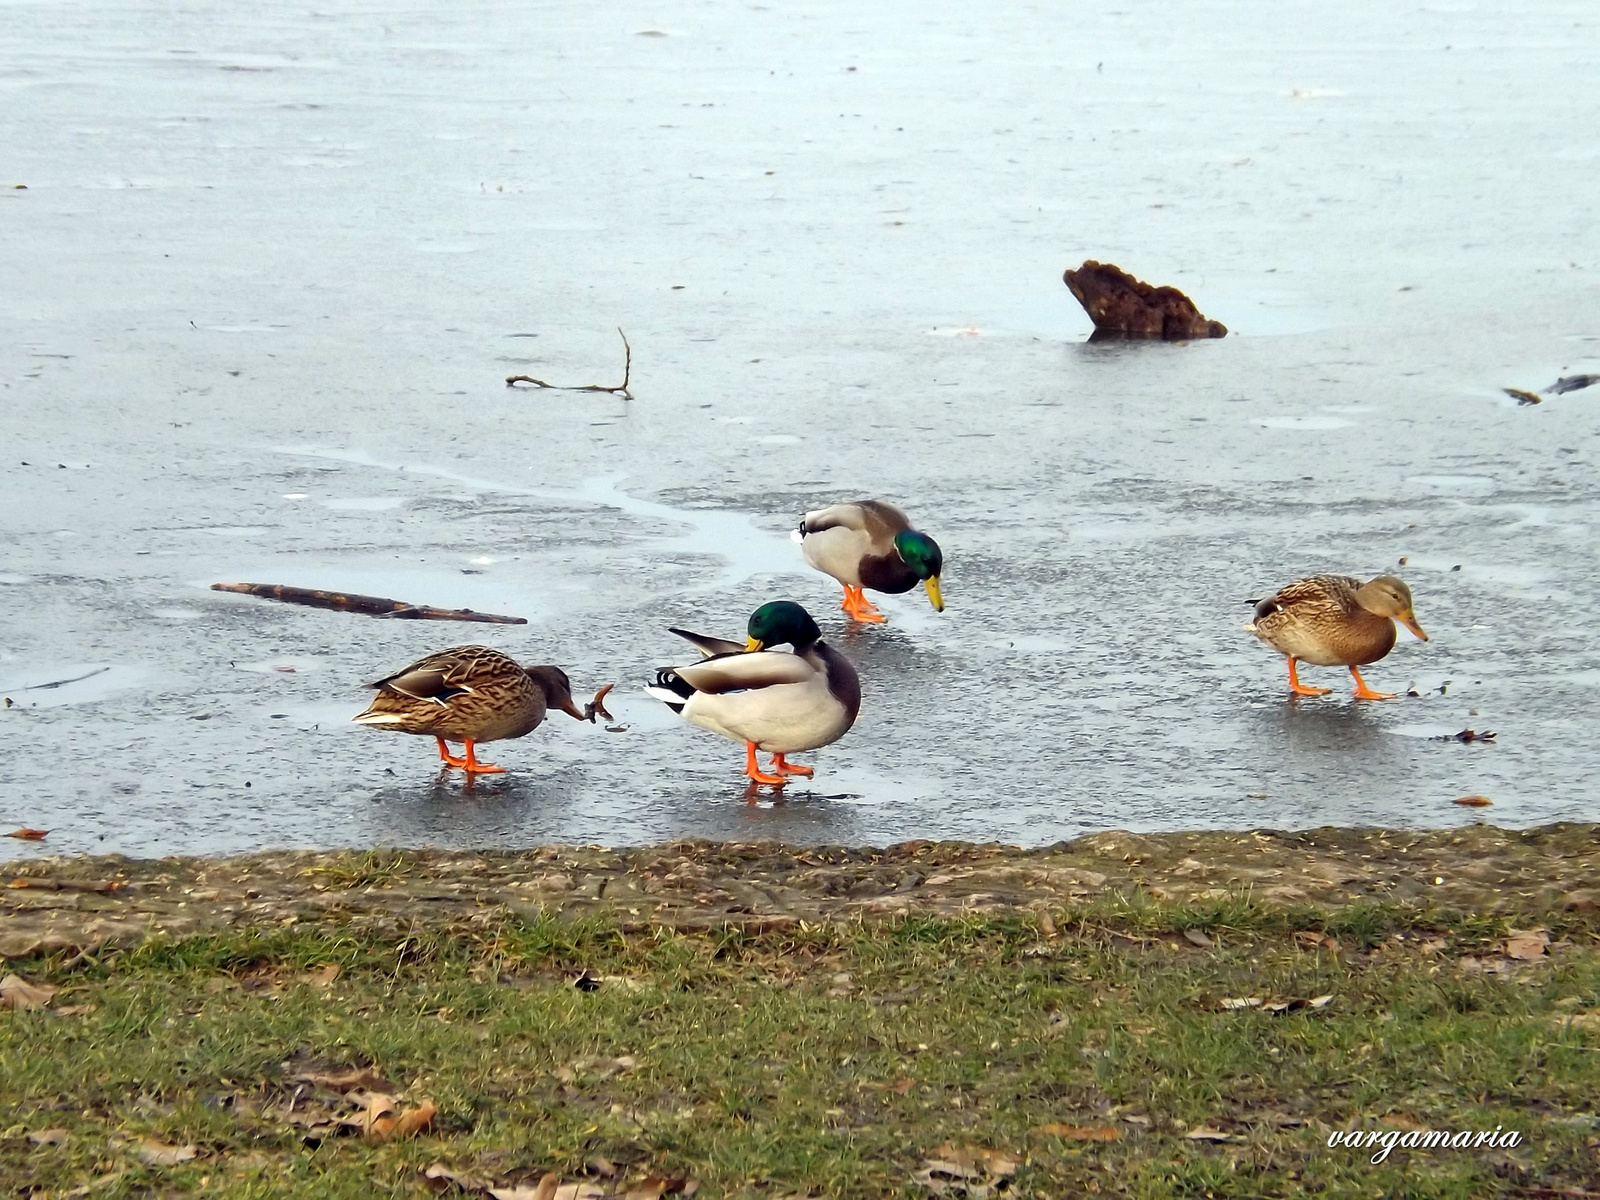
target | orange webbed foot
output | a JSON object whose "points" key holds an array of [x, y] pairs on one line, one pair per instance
{"points": [[753, 771], [449, 760], [1363, 692], [473, 767], [784, 767], [1296, 688]]}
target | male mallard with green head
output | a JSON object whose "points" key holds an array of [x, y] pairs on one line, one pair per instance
{"points": [[1335, 621], [870, 544], [769, 700], [471, 694]]}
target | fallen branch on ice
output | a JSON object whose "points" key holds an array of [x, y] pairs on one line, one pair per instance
{"points": [[620, 390], [372, 606]]}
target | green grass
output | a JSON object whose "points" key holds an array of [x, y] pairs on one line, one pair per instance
{"points": [[762, 1070]]}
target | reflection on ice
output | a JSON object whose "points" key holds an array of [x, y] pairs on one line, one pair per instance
{"points": [[73, 683]]}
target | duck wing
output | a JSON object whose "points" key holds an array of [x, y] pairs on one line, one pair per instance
{"points": [[707, 645], [878, 519], [445, 674], [746, 672]]}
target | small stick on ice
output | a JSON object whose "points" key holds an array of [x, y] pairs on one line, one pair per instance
{"points": [[620, 390]]}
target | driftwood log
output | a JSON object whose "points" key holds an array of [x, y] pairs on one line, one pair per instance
{"points": [[1122, 306], [372, 606]]}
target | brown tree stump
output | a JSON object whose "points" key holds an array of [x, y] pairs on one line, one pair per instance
{"points": [[1121, 305]]}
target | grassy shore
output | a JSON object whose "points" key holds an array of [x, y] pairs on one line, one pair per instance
{"points": [[1078, 1050]]}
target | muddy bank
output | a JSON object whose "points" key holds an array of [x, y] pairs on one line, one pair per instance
{"points": [[65, 904]]}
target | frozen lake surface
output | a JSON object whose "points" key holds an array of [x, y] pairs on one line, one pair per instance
{"points": [[268, 269]]}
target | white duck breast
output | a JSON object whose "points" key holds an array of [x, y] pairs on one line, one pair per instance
{"points": [[784, 703]]}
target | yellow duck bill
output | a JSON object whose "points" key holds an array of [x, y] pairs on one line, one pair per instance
{"points": [[934, 595]]}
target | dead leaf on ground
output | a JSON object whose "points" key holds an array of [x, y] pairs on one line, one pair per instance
{"points": [[49, 1137], [966, 1171], [551, 1188], [1276, 1007], [1583, 1020], [159, 1154], [1195, 937], [382, 1116], [1473, 801], [323, 976], [899, 1086], [349, 1079], [1204, 1133], [1310, 939], [73, 1010], [29, 835], [1526, 944], [597, 1066], [440, 1176], [16, 992], [95, 1184], [1081, 1133]]}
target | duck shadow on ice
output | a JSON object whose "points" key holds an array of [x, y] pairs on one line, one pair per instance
{"points": [[519, 803], [1321, 726]]}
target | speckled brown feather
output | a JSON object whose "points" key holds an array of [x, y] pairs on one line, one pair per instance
{"points": [[1318, 620], [465, 692]]}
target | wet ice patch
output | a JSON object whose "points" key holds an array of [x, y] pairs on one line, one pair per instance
{"points": [[73, 683], [1304, 423], [363, 503], [282, 666], [1481, 483]]}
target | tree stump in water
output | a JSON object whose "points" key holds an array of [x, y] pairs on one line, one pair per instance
{"points": [[1120, 305]]}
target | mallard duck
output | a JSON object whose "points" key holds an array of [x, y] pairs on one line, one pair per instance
{"points": [[870, 544], [471, 694], [769, 700], [1335, 621]]}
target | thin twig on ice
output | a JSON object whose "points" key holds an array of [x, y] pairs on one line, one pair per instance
{"points": [[620, 390]]}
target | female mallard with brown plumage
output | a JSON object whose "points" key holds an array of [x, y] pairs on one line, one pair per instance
{"points": [[471, 694], [870, 544], [1335, 621]]}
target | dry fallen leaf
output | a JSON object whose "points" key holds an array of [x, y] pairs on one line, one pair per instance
{"points": [[159, 1154], [1473, 801], [1081, 1133], [323, 976], [1204, 1133], [1243, 1002], [1526, 944], [49, 1137], [95, 1184], [1309, 939], [384, 1118], [1197, 938], [442, 1176], [1583, 1020], [29, 835], [545, 1189], [16, 992], [966, 1170], [364, 1079]]}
